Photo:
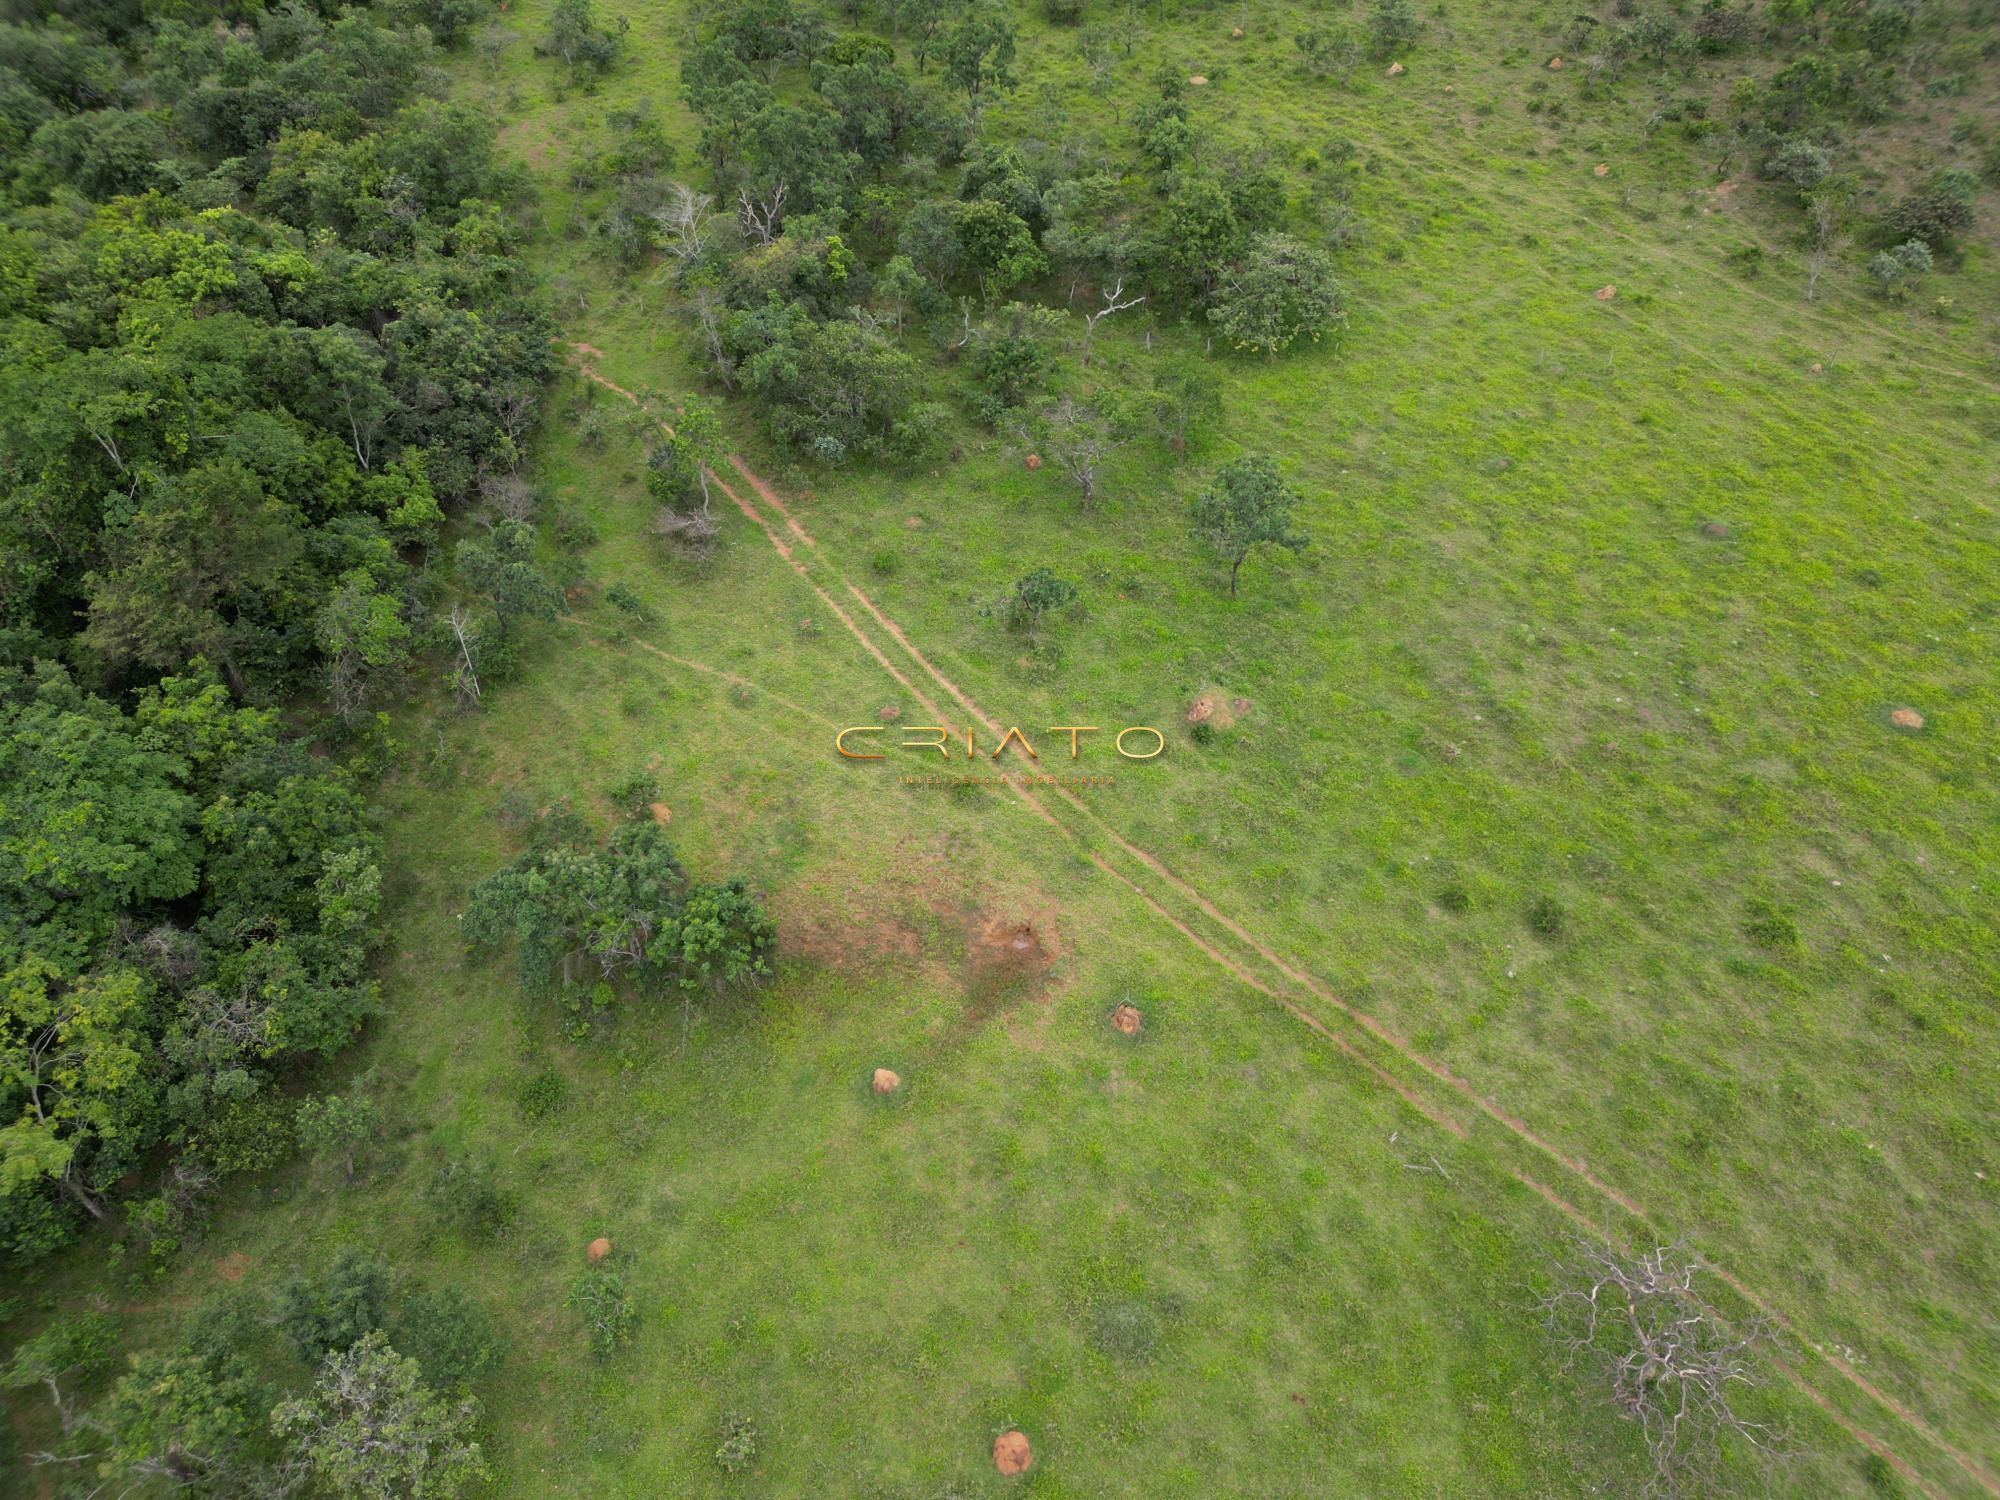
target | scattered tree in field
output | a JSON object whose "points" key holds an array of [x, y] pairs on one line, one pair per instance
{"points": [[1938, 214], [1283, 291], [1186, 399], [1393, 25], [1671, 1363], [608, 1314], [336, 1128], [1325, 49], [1245, 506], [576, 38], [1897, 268], [1115, 301], [979, 51], [1040, 594], [1076, 440], [370, 1427]]}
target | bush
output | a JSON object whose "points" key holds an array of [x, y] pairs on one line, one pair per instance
{"points": [[608, 1314], [450, 1335], [337, 1311], [1393, 25], [1546, 918], [464, 1191], [1202, 733], [1063, 12], [738, 1448], [1941, 211], [1801, 163], [634, 795], [542, 1095], [1285, 290]]}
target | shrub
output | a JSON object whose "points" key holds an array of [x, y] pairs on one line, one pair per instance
{"points": [[542, 1095], [608, 1315], [1942, 210], [450, 1334], [1803, 164], [464, 1191], [1063, 12], [1546, 918], [634, 795], [337, 1311], [1393, 25], [738, 1448], [1455, 899], [1285, 290], [1202, 733]]}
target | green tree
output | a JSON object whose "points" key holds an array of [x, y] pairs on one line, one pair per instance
{"points": [[997, 244], [335, 1128], [1393, 25], [1246, 505], [450, 1335], [579, 41], [502, 568], [61, 1359], [1201, 236], [608, 1314], [1039, 594], [335, 1311], [979, 52], [191, 1419], [370, 1428], [720, 938], [1285, 290]]}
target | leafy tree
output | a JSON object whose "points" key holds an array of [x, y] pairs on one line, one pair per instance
{"points": [[979, 51], [188, 1417], [1246, 505], [1938, 214], [1010, 354], [1201, 235], [1393, 25], [903, 286], [565, 906], [1284, 291], [774, 32], [65, 1356], [503, 568], [466, 1191], [450, 1334], [720, 938], [334, 1312], [996, 244], [579, 41], [371, 1428], [1186, 399], [1039, 594], [337, 1128]]}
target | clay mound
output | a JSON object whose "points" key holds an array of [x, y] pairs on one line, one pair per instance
{"points": [[1201, 710], [597, 1250], [1555, 64], [1606, 293], [1126, 1018], [232, 1267], [889, 712], [1906, 718], [1396, 70], [1011, 1453], [1007, 961], [1716, 530], [1239, 705], [885, 1081], [1198, 80], [1236, 33], [915, 523], [1034, 462], [1600, 170], [1815, 368], [661, 812]]}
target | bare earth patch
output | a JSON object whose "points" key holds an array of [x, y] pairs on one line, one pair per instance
{"points": [[1126, 1019], [232, 1267], [886, 1081], [597, 1249], [662, 813], [1906, 718], [1606, 293]]}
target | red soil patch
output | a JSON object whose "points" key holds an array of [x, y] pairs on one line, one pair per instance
{"points": [[1907, 718], [1605, 293], [597, 1250], [1600, 170], [1396, 70], [1555, 64], [1011, 1453], [885, 1081], [1034, 462], [1126, 1018], [1236, 33], [1201, 710], [1198, 80], [233, 1267], [888, 712], [662, 813], [1239, 705]]}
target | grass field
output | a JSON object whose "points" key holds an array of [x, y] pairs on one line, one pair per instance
{"points": [[1565, 846]]}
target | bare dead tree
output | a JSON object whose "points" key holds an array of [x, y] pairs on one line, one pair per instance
{"points": [[1673, 1364], [507, 497], [686, 221], [1829, 240], [762, 216], [693, 533], [708, 307], [464, 673], [1112, 304]]}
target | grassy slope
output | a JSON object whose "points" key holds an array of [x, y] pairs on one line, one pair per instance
{"points": [[1536, 677]]}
